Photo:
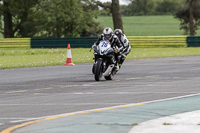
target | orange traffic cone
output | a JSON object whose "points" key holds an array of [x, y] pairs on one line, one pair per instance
{"points": [[69, 57]]}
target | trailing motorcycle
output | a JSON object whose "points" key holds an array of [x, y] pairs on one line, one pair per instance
{"points": [[105, 63]]}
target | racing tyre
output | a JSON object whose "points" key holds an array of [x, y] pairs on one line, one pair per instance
{"points": [[98, 70], [110, 77]]}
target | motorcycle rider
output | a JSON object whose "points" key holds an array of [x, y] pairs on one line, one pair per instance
{"points": [[114, 41], [126, 45]]}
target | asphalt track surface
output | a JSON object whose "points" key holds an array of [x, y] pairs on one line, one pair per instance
{"points": [[29, 93]]}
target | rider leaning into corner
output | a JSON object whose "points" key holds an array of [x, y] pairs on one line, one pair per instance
{"points": [[126, 45], [114, 41]]}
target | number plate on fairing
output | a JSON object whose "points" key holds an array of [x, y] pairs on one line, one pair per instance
{"points": [[104, 45]]}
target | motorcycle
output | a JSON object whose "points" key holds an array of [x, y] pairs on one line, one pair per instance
{"points": [[105, 62]]}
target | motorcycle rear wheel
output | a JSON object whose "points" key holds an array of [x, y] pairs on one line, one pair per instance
{"points": [[110, 77]]}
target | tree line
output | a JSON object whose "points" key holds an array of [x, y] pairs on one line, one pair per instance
{"points": [[187, 11], [76, 18], [152, 7], [49, 18]]}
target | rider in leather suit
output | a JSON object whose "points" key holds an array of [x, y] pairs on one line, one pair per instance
{"points": [[114, 41], [126, 45]]}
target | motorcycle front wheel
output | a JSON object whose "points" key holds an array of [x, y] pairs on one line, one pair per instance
{"points": [[93, 68], [98, 70]]}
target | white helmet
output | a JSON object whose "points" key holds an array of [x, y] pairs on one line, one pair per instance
{"points": [[108, 33]]}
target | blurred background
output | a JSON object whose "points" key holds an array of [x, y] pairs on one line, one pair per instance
{"points": [[87, 18]]}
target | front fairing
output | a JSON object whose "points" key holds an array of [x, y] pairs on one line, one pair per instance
{"points": [[104, 48]]}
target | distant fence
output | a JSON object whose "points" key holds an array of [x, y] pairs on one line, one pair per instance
{"points": [[15, 43], [83, 42], [87, 42], [157, 41], [193, 41]]}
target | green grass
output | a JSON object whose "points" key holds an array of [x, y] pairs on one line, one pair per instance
{"points": [[143, 53], [49, 57], [41, 57], [133, 26], [146, 25]]}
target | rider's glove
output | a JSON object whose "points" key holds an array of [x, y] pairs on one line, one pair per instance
{"points": [[116, 50], [94, 45]]}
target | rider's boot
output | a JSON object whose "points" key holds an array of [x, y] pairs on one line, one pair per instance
{"points": [[108, 70], [117, 67]]}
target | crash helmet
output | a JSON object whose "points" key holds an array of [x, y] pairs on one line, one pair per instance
{"points": [[118, 33], [108, 33]]}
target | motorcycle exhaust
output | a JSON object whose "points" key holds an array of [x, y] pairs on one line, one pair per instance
{"points": [[108, 71]]}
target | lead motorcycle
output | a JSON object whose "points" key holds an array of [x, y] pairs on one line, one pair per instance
{"points": [[104, 58]]}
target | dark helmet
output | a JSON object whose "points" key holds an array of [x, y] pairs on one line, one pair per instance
{"points": [[118, 33], [108, 33]]}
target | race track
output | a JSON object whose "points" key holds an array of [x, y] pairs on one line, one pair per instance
{"points": [[29, 93]]}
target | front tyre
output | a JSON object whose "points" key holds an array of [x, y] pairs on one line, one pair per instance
{"points": [[98, 70], [93, 67]]}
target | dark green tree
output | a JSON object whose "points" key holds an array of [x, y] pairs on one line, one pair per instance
{"points": [[141, 7], [7, 17], [1, 25], [1, 18], [49, 18], [189, 17], [71, 18], [15, 16], [151, 7], [105, 8], [116, 15], [114, 9], [164, 7]]}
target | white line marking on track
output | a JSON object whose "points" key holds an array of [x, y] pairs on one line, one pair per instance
{"points": [[136, 78], [16, 91], [133, 78], [81, 93], [44, 88], [66, 86], [16, 85], [152, 76], [12, 118]]}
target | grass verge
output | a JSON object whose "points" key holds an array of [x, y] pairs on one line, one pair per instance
{"points": [[48, 57], [157, 25]]}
